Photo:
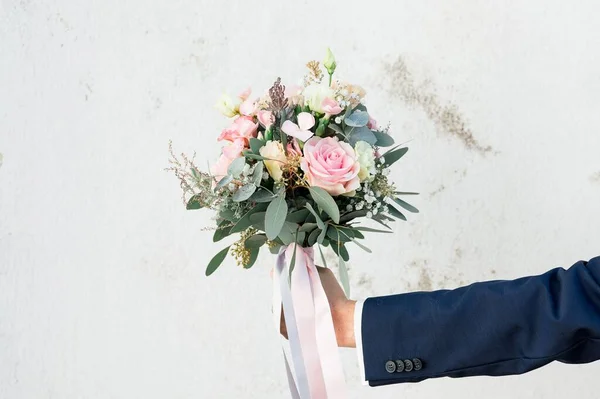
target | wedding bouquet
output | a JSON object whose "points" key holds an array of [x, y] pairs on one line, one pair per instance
{"points": [[301, 167]]}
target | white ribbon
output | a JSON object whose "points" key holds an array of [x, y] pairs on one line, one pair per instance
{"points": [[315, 356]]}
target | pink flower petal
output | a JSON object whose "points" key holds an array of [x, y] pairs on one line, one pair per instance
{"points": [[305, 120]]}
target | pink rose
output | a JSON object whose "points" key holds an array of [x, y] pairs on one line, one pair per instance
{"points": [[330, 107], [293, 149], [229, 153], [243, 127], [331, 165]]}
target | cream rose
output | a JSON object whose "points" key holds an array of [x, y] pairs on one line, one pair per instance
{"points": [[273, 150], [366, 158], [314, 95]]}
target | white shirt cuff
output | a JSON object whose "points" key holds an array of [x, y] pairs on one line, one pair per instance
{"points": [[358, 338]]}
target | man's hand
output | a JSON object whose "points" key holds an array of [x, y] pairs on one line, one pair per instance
{"points": [[342, 309]]}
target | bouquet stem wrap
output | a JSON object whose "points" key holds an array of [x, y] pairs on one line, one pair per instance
{"points": [[311, 334]]}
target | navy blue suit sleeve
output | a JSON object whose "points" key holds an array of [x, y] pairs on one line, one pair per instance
{"points": [[491, 328]]}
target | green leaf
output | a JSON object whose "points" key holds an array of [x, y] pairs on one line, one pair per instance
{"points": [[293, 260], [396, 213], [318, 219], [255, 145], [194, 203], [258, 172], [253, 256], [216, 261], [275, 217], [275, 249], [383, 139], [340, 234], [262, 195], [368, 229], [258, 220], [224, 230], [321, 238], [244, 222], [287, 235], [308, 227], [255, 241], [406, 205], [244, 192], [394, 155], [298, 216], [405, 193], [223, 182], [312, 237], [250, 155], [355, 135], [336, 128], [362, 246], [227, 214], [236, 167], [357, 119], [325, 202], [353, 215], [344, 276]]}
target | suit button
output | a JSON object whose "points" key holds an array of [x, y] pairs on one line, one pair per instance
{"points": [[390, 366], [408, 365], [399, 366], [417, 363]]}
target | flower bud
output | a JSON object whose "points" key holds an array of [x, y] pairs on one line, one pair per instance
{"points": [[329, 62]]}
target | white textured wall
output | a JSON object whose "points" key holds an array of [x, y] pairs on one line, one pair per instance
{"points": [[102, 287]]}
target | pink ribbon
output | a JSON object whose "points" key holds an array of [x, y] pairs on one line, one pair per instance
{"points": [[314, 351]]}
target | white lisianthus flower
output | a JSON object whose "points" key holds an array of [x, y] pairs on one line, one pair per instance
{"points": [[273, 150], [228, 106], [365, 154], [314, 95]]}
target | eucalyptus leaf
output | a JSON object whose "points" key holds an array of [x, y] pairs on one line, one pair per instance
{"points": [[255, 145], [298, 216], [338, 234], [293, 260], [223, 182], [227, 214], [406, 205], [244, 222], [275, 217], [362, 246], [325, 202], [216, 261], [336, 128], [194, 203], [287, 235], [258, 220], [344, 276], [321, 237], [370, 230], [258, 173], [383, 139], [262, 195], [224, 230], [250, 155], [392, 156], [275, 249], [244, 192], [395, 212], [357, 119], [318, 219], [353, 215], [357, 134], [312, 237], [308, 227], [405, 193], [236, 167], [255, 241], [253, 256]]}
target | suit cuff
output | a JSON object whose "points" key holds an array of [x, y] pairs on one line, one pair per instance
{"points": [[358, 308]]}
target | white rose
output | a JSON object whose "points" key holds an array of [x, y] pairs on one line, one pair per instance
{"points": [[314, 95], [366, 158], [274, 151]]}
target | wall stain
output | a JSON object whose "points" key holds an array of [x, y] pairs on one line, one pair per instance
{"points": [[446, 117], [437, 191], [595, 178]]}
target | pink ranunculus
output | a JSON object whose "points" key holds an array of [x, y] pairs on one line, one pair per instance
{"points": [[228, 154], [331, 165], [265, 118], [301, 131], [372, 124], [330, 107], [243, 127]]}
